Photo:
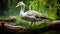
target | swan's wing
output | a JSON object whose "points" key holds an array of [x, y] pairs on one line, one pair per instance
{"points": [[34, 13], [30, 13]]}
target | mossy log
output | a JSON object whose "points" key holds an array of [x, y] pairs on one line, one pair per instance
{"points": [[8, 19], [52, 25]]}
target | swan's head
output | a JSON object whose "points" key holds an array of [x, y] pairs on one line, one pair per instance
{"points": [[20, 4]]}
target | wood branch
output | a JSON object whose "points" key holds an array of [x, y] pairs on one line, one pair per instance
{"points": [[52, 25]]}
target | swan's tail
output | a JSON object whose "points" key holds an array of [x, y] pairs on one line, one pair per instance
{"points": [[46, 18]]}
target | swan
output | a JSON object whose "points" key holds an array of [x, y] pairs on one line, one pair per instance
{"points": [[31, 15]]}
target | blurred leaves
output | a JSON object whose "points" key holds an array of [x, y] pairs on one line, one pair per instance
{"points": [[46, 7]]}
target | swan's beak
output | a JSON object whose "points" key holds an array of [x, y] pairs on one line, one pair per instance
{"points": [[18, 5]]}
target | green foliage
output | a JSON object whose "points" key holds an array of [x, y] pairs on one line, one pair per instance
{"points": [[46, 7], [41, 6]]}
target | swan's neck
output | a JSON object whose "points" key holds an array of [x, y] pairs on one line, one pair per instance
{"points": [[22, 10]]}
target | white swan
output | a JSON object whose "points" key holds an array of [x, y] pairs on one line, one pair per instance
{"points": [[30, 15]]}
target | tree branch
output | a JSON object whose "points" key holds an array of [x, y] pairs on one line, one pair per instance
{"points": [[52, 25]]}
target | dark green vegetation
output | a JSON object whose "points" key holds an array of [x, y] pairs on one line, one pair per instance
{"points": [[46, 7]]}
